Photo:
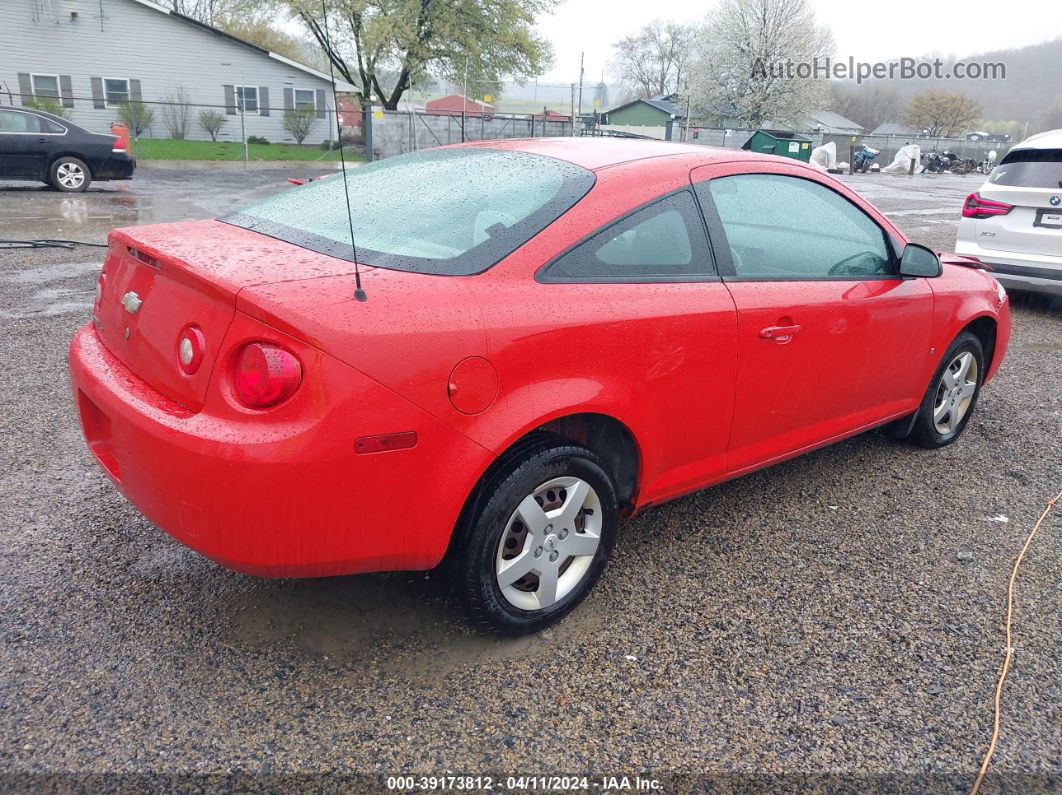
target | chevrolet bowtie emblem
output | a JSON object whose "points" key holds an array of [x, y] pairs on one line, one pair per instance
{"points": [[131, 301]]}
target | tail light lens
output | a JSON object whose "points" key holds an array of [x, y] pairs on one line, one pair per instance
{"points": [[118, 146], [265, 375], [190, 347], [977, 207]]}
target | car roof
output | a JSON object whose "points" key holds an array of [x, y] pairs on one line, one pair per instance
{"points": [[594, 153], [1051, 139]]}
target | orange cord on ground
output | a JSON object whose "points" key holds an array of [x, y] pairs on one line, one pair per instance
{"points": [[1010, 651]]}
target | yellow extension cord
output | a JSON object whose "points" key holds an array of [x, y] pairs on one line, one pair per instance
{"points": [[1009, 649]]}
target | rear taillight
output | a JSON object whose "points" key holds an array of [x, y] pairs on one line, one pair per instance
{"points": [[265, 375], [118, 147], [977, 207]]}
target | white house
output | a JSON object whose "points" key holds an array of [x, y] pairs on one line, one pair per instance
{"points": [[92, 55]]}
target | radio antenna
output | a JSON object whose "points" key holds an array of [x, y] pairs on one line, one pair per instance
{"points": [[359, 294]]}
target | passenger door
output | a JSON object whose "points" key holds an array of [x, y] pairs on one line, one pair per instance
{"points": [[830, 337], [649, 327]]}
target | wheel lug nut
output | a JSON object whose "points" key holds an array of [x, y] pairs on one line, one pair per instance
{"points": [[553, 556], [538, 552], [563, 534]]}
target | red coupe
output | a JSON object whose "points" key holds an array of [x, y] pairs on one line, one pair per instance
{"points": [[551, 334]]}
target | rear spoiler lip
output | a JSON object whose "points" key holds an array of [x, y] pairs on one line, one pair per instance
{"points": [[947, 258]]}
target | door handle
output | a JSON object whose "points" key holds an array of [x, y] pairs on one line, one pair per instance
{"points": [[780, 334], [42, 140]]}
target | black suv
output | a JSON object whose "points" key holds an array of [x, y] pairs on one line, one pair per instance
{"points": [[38, 146]]}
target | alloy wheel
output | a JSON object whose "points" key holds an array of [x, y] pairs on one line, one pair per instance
{"points": [[955, 393], [70, 175], [549, 543]]}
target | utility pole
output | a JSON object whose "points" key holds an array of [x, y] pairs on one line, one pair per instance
{"points": [[581, 83], [686, 126], [573, 110], [464, 99]]}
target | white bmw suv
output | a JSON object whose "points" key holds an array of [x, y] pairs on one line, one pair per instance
{"points": [[1014, 221]]}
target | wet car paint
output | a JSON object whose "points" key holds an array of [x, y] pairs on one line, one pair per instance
{"points": [[618, 350]]}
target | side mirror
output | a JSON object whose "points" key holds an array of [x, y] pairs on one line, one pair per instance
{"points": [[919, 261]]}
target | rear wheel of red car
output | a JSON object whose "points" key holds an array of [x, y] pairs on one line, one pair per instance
{"points": [[70, 175], [539, 537], [952, 394]]}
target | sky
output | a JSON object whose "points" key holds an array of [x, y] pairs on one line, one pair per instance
{"points": [[867, 31]]}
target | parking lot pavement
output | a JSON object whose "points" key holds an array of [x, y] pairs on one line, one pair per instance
{"points": [[839, 612]]}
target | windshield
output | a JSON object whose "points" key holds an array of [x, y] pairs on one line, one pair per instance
{"points": [[444, 211], [1030, 168]]}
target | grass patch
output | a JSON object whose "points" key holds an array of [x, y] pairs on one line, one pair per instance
{"points": [[171, 149]]}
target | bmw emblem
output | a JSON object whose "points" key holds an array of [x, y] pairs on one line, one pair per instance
{"points": [[1055, 201]]}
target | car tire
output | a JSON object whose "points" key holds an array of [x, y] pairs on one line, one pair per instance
{"points": [[539, 533], [952, 395], [69, 175]]}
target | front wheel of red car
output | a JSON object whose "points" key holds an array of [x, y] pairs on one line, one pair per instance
{"points": [[539, 537], [952, 394]]}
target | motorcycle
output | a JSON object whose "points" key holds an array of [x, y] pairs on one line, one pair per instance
{"points": [[864, 156], [988, 163], [934, 162]]}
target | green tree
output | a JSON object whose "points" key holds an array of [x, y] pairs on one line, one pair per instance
{"points": [[298, 122], [48, 105], [411, 39], [940, 113], [211, 121], [137, 116]]}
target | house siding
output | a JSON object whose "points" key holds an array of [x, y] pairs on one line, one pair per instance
{"points": [[153, 50], [639, 115]]}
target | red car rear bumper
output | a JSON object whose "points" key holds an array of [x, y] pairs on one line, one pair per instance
{"points": [[281, 499]]}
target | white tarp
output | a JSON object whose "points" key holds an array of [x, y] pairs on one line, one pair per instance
{"points": [[901, 164], [824, 157]]}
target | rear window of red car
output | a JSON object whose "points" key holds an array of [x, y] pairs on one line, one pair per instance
{"points": [[443, 211]]}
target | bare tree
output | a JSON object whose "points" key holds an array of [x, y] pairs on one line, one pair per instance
{"points": [[755, 60], [177, 113], [653, 61], [298, 122], [941, 113], [211, 121], [212, 12], [869, 104]]}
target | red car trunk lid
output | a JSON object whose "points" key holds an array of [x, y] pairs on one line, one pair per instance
{"points": [[158, 280]]}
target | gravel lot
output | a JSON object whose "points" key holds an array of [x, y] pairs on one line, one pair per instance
{"points": [[838, 614]]}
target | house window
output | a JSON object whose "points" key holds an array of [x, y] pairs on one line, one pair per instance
{"points": [[305, 99], [117, 91], [247, 98], [45, 86]]}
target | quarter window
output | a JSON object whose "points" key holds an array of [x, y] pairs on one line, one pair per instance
{"points": [[780, 227], [46, 86], [305, 99], [247, 98], [49, 126], [662, 242], [117, 91]]}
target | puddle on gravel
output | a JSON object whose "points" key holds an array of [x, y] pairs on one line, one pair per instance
{"points": [[41, 213], [50, 290], [402, 622]]}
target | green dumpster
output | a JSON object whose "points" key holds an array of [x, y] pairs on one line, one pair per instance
{"points": [[781, 143]]}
